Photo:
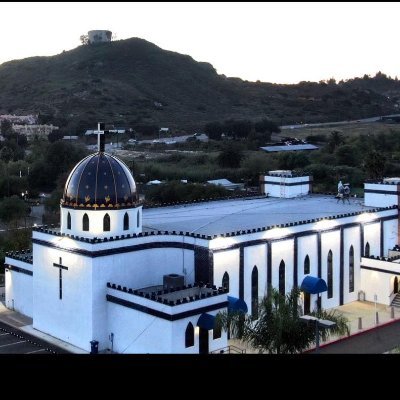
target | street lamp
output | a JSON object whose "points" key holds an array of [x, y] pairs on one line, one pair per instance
{"points": [[319, 323]]}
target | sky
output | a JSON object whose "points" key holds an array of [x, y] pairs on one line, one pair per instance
{"points": [[270, 42]]}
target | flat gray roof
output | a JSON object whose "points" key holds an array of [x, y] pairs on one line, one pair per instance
{"points": [[217, 217]]}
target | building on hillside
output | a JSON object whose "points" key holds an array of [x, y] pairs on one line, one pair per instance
{"points": [[19, 119], [152, 280], [34, 131], [99, 36]]}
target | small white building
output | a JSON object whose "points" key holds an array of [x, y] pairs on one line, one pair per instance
{"points": [[99, 36]]}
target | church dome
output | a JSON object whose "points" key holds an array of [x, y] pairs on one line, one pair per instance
{"points": [[100, 180]]}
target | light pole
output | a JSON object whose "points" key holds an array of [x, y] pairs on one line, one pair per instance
{"points": [[319, 323]]}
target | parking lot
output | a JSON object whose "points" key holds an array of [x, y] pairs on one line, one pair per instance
{"points": [[14, 341]]}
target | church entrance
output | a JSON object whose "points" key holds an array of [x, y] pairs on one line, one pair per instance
{"points": [[395, 285], [307, 303], [203, 341]]}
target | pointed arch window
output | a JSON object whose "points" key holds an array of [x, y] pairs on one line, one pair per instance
{"points": [[306, 265], [85, 223], [69, 220], [330, 274], [138, 219], [254, 293], [351, 269], [225, 281], [282, 283], [189, 335], [106, 223], [367, 250], [126, 221]]}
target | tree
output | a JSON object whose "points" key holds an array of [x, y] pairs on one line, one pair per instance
{"points": [[214, 130], [266, 126], [230, 157], [279, 328], [374, 164], [12, 209], [84, 39], [7, 130]]}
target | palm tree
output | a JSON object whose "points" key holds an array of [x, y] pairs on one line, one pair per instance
{"points": [[279, 328]]}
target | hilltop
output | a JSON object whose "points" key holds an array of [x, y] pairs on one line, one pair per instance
{"points": [[133, 83]]}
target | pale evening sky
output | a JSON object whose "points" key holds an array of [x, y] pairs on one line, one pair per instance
{"points": [[271, 42]]}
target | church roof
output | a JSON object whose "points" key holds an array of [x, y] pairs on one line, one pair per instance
{"points": [[98, 181]]}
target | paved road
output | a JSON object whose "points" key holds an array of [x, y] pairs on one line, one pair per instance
{"points": [[14, 341], [376, 341], [365, 120]]}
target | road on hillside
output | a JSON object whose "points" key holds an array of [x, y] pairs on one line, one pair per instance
{"points": [[365, 121], [376, 341]]}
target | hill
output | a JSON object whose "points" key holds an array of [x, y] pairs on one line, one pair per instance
{"points": [[133, 82]]}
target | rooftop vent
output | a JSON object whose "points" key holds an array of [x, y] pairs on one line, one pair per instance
{"points": [[172, 281]]}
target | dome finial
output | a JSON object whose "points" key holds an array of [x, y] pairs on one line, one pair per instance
{"points": [[100, 136]]}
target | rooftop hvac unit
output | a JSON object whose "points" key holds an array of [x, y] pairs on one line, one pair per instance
{"points": [[172, 281]]}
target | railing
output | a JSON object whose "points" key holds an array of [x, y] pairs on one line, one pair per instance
{"points": [[229, 350], [391, 297]]}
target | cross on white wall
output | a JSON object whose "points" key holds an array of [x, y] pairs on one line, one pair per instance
{"points": [[61, 267]]}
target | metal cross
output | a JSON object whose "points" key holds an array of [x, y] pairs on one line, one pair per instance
{"points": [[61, 267]]}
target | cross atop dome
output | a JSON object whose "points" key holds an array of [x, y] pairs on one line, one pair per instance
{"points": [[100, 136]]}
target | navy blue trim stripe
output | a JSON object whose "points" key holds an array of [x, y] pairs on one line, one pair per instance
{"points": [[391, 192], [319, 254], [287, 183], [386, 271], [341, 269], [188, 246], [382, 238], [295, 261], [269, 265], [163, 315], [19, 269], [118, 250], [241, 273]]}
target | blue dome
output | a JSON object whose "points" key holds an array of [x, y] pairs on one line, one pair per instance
{"points": [[100, 180]]}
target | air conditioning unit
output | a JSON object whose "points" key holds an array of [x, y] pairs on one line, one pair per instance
{"points": [[172, 281]]}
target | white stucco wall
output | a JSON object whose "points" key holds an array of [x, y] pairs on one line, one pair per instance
{"points": [[255, 256], [96, 218], [372, 236], [69, 319], [307, 245], [227, 261], [18, 288], [351, 238], [380, 199], [134, 270], [282, 250]]}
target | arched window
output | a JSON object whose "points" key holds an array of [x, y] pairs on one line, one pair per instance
{"points": [[330, 275], [366, 252], [254, 293], [351, 269], [225, 281], [189, 335], [306, 265], [85, 222], [106, 223], [69, 221], [282, 288], [138, 219], [126, 221]]}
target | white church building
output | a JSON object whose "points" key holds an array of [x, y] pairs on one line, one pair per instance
{"points": [[151, 281]]}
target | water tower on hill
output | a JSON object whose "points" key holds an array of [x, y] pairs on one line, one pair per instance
{"points": [[99, 36]]}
